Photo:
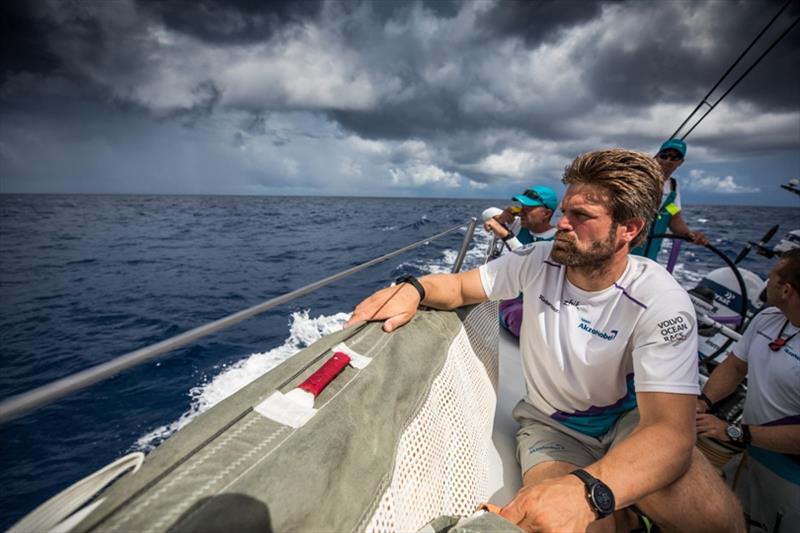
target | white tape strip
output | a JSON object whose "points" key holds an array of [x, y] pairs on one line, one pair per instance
{"points": [[356, 359]]}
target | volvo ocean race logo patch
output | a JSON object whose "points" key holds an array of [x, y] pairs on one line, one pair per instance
{"points": [[585, 325], [676, 329]]}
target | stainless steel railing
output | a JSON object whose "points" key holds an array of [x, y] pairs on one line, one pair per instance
{"points": [[21, 404]]}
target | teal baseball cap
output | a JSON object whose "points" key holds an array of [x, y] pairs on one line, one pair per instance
{"points": [[538, 195], [674, 144]]}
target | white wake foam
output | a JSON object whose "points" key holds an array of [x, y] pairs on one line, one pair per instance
{"points": [[303, 331], [475, 257]]}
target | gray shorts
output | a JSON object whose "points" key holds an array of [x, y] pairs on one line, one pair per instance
{"points": [[541, 439]]}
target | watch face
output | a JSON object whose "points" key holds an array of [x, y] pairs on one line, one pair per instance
{"points": [[603, 499], [734, 432]]}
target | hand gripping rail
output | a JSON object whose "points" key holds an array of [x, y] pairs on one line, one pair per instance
{"points": [[21, 404]]}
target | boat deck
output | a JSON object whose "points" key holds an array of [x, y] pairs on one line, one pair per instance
{"points": [[510, 390]]}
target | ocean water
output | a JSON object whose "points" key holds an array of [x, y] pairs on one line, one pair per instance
{"points": [[85, 278]]}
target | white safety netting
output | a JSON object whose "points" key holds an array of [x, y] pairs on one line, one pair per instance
{"points": [[444, 455]]}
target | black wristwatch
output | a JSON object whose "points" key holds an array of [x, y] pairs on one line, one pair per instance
{"points": [[412, 281], [600, 497], [739, 433]]}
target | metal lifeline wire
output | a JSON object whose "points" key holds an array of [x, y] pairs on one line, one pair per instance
{"points": [[740, 78], [23, 403]]}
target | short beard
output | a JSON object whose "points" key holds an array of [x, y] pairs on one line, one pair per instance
{"points": [[596, 257]]}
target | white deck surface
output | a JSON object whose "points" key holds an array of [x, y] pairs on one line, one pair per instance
{"points": [[510, 390]]}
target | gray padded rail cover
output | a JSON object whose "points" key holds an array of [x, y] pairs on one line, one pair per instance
{"points": [[233, 469]]}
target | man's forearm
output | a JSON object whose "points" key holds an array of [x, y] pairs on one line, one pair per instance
{"points": [[725, 378], [450, 291], [678, 226], [783, 439], [649, 459]]}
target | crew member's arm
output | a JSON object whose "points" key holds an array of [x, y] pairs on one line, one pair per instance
{"points": [[397, 305], [783, 439], [502, 233], [497, 228], [679, 227], [657, 453], [723, 381]]}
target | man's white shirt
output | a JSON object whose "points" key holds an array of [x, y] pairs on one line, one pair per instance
{"points": [[773, 378], [585, 354]]}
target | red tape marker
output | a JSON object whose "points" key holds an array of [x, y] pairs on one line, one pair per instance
{"points": [[317, 381]]}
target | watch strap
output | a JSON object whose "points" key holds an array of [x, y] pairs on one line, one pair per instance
{"points": [[702, 396], [747, 437], [584, 476], [592, 484], [411, 280]]}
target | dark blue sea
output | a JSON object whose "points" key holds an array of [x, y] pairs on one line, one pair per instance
{"points": [[85, 278]]}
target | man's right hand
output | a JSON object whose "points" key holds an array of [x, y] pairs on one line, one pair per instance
{"points": [[395, 305], [495, 227], [506, 217]]}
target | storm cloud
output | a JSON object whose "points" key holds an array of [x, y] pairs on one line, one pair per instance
{"points": [[384, 98]]}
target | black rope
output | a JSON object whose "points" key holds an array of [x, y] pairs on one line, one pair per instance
{"points": [[705, 98]]}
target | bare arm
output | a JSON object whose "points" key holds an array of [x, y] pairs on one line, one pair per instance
{"points": [[657, 453], [397, 305], [497, 228], [783, 439], [723, 381], [678, 226]]}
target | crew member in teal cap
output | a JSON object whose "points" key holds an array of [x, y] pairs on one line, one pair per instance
{"points": [[669, 157], [535, 209]]}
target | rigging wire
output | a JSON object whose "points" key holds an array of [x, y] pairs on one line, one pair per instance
{"points": [[740, 78]]}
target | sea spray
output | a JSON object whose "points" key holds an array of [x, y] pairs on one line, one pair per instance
{"points": [[303, 331]]}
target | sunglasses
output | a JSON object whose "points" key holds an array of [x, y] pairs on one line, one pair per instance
{"points": [[671, 157], [533, 195]]}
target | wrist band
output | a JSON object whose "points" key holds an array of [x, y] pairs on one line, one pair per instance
{"points": [[415, 283], [747, 438], [706, 399]]}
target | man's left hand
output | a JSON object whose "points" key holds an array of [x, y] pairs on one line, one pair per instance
{"points": [[557, 504], [711, 426]]}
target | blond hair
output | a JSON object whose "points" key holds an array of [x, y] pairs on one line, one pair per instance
{"points": [[632, 181]]}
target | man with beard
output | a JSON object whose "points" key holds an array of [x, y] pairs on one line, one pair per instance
{"points": [[768, 355], [609, 350]]}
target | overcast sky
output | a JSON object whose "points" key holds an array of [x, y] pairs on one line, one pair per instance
{"points": [[385, 98]]}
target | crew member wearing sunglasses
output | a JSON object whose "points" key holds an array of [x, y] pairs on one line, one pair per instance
{"points": [[670, 216], [769, 355], [526, 221]]}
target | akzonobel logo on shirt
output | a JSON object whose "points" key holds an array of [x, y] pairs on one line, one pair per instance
{"points": [[586, 325]]}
